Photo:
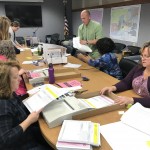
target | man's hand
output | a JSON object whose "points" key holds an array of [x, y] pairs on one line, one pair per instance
{"points": [[83, 42]]}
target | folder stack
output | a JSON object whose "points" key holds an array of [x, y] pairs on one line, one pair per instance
{"points": [[78, 135]]}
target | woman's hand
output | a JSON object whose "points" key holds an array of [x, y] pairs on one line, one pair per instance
{"points": [[21, 71], [107, 89], [122, 100], [33, 117], [84, 58]]}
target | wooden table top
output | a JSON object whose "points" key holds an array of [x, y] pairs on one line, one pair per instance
{"points": [[97, 81]]}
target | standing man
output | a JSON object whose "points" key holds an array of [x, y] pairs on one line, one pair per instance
{"points": [[12, 29], [89, 32]]}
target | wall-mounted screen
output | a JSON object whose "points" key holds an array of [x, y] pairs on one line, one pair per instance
{"points": [[27, 15]]}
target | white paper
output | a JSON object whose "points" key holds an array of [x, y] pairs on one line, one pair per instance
{"points": [[70, 65], [21, 49], [123, 137], [36, 89], [45, 94], [78, 46], [75, 131], [34, 49], [80, 132], [98, 101], [27, 62], [132, 132], [138, 117]]}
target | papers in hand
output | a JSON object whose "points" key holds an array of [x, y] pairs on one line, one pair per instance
{"points": [[132, 132], [46, 95], [80, 132], [82, 48]]}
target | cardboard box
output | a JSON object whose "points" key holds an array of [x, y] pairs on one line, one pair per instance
{"points": [[40, 75], [95, 112], [66, 73], [72, 108]]}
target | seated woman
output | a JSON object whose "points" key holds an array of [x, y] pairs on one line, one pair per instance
{"points": [[18, 128], [107, 62], [138, 79], [7, 52]]}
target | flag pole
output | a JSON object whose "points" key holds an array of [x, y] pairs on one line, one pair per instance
{"points": [[66, 27]]}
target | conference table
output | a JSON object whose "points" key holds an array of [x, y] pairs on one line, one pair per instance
{"points": [[97, 80]]}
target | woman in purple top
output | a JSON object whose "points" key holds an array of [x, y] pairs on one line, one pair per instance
{"points": [[138, 79]]}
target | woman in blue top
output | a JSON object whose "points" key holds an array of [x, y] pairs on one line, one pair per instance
{"points": [[107, 62]]}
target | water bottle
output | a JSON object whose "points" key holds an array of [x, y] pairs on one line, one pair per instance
{"points": [[51, 74]]}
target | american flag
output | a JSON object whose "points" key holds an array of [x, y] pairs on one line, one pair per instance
{"points": [[66, 27]]}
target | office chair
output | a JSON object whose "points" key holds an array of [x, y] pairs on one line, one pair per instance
{"points": [[126, 65], [52, 39], [20, 40], [135, 50], [119, 47]]}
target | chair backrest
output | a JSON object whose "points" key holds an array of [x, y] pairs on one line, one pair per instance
{"points": [[52, 39], [47, 38], [135, 50], [126, 65], [20, 40], [119, 47]]}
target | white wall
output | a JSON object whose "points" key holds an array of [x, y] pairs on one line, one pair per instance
{"points": [[144, 26], [52, 18]]}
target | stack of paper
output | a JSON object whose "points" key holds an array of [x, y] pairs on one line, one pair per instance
{"points": [[73, 146], [71, 83], [47, 94], [74, 131], [132, 132], [97, 101]]}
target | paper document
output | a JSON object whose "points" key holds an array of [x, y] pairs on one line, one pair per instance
{"points": [[81, 47], [138, 117], [71, 83], [73, 146], [132, 132], [98, 101], [27, 62], [70, 65], [34, 49], [80, 132], [21, 49], [46, 95]]}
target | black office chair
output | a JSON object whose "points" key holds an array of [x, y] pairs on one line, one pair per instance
{"points": [[119, 47], [135, 50], [53, 39], [126, 65], [20, 40]]}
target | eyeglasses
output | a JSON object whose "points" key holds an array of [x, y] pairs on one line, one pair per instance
{"points": [[143, 56]]}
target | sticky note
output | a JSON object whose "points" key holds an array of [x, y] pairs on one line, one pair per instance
{"points": [[128, 106], [148, 143], [29, 57]]}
